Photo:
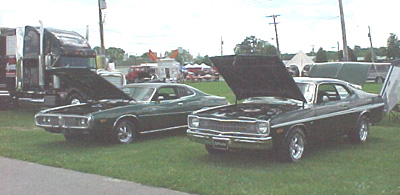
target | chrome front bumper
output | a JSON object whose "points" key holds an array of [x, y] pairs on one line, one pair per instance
{"points": [[233, 140]]}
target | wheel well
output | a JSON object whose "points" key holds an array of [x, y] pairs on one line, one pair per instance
{"points": [[365, 113], [301, 126], [131, 118]]}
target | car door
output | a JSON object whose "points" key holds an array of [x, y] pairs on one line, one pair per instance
{"points": [[167, 110], [330, 111]]}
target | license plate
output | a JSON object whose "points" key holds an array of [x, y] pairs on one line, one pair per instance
{"points": [[220, 144]]}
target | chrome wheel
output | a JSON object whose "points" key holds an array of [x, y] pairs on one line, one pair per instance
{"points": [[296, 146], [124, 132], [363, 130], [360, 133]]}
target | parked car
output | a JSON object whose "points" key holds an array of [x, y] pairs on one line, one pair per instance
{"points": [[281, 112], [122, 115]]}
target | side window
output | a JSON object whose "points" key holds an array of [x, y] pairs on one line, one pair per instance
{"points": [[327, 93], [184, 91], [343, 92], [167, 93]]}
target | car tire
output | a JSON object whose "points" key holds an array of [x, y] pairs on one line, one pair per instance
{"points": [[293, 148], [124, 132], [360, 133], [75, 99], [212, 151]]}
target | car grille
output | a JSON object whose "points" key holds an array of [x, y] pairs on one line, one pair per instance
{"points": [[228, 126], [60, 121]]}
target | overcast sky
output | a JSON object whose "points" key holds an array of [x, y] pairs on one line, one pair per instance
{"points": [[198, 25]]}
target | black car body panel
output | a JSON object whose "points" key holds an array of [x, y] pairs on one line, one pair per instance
{"points": [[158, 107], [329, 107]]}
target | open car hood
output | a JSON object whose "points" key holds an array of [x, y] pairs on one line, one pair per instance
{"points": [[88, 82], [256, 76]]}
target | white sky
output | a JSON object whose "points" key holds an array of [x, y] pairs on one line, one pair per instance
{"points": [[198, 25]]}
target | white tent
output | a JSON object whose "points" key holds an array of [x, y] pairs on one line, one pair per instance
{"points": [[204, 66], [188, 66], [300, 60]]}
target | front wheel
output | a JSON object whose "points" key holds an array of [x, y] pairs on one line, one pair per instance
{"points": [[123, 132], [360, 133], [294, 146]]}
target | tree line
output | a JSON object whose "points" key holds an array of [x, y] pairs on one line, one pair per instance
{"points": [[254, 45]]}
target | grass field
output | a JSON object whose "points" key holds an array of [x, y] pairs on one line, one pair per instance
{"points": [[170, 160]]}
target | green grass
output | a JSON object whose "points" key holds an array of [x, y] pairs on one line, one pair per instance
{"points": [[170, 160]]}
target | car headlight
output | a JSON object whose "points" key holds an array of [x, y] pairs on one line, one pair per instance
{"points": [[194, 122], [83, 122], [263, 128]]}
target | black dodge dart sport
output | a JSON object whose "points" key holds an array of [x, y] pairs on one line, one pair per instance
{"points": [[281, 112]]}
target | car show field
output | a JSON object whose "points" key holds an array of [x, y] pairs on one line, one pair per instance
{"points": [[170, 160]]}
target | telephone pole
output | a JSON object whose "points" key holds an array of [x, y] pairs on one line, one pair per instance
{"points": [[345, 51], [222, 46], [370, 41], [276, 32]]}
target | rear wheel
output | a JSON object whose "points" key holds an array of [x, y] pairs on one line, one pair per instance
{"points": [[294, 146], [124, 132], [360, 133]]}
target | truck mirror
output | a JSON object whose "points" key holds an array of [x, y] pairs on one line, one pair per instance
{"points": [[48, 61]]}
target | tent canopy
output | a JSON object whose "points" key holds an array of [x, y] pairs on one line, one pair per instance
{"points": [[300, 60]]}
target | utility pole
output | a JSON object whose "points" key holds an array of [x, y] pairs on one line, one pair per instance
{"points": [[102, 5], [372, 48], [345, 51], [276, 32], [222, 46]]}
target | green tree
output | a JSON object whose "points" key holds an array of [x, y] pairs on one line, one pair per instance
{"points": [[184, 57], [113, 54], [393, 47], [321, 56], [352, 55], [206, 60], [252, 45], [368, 57]]}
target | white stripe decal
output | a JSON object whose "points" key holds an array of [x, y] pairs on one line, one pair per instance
{"points": [[353, 110]]}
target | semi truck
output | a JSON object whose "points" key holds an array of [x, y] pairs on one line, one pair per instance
{"points": [[32, 60]]}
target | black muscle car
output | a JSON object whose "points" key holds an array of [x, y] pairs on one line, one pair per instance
{"points": [[281, 112], [120, 115]]}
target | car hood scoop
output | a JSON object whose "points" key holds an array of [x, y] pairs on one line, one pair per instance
{"points": [[257, 76]]}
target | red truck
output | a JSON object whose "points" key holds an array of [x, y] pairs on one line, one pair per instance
{"points": [[137, 74]]}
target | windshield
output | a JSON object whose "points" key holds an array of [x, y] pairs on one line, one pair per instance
{"points": [[74, 62], [307, 89], [140, 94]]}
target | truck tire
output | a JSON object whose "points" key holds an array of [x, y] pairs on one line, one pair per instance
{"points": [[75, 99]]}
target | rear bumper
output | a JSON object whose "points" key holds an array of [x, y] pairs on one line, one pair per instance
{"points": [[233, 141]]}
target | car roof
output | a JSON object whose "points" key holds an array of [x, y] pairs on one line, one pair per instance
{"points": [[153, 85], [317, 80]]}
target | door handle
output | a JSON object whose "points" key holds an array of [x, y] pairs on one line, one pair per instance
{"points": [[180, 104]]}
